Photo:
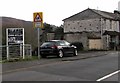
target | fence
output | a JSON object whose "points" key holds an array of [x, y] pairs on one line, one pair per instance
{"points": [[16, 51]]}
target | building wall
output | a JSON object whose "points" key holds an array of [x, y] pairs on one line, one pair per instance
{"points": [[78, 37], [90, 28], [82, 25], [110, 25], [83, 37], [94, 27]]}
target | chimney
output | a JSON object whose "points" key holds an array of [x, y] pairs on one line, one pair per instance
{"points": [[119, 6], [116, 12]]}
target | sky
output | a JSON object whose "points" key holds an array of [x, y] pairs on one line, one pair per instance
{"points": [[54, 11]]}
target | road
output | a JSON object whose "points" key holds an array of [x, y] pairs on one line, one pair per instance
{"points": [[90, 69]]}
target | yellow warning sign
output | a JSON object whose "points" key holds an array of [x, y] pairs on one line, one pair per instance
{"points": [[38, 20]]}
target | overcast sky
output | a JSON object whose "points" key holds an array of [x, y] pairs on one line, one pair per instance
{"points": [[54, 11]]}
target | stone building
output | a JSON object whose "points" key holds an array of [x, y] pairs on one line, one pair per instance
{"points": [[95, 29]]}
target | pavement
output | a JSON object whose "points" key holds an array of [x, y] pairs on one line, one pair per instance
{"points": [[24, 64]]}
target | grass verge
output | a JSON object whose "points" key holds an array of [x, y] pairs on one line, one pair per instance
{"points": [[19, 59]]}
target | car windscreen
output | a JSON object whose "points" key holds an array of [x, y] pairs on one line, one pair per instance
{"points": [[48, 44]]}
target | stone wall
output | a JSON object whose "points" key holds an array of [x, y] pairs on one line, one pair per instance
{"points": [[94, 28], [82, 25], [110, 25], [77, 37]]}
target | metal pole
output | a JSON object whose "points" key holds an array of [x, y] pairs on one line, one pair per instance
{"points": [[23, 44], [7, 44], [38, 43], [8, 53], [30, 51], [20, 50]]}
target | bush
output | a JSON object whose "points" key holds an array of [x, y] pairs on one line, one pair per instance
{"points": [[79, 45]]}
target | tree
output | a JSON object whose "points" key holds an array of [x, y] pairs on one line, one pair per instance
{"points": [[59, 33], [47, 28]]}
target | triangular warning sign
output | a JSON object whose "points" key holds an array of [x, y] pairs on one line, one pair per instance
{"points": [[37, 18]]}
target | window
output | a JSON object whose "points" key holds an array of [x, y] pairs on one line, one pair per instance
{"points": [[63, 43]]}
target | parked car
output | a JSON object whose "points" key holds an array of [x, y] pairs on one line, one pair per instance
{"points": [[58, 48]]}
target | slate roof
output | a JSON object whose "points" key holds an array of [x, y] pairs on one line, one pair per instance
{"points": [[104, 14], [97, 13]]}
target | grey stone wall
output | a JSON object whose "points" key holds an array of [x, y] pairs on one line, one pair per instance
{"points": [[82, 25], [105, 43], [78, 37], [109, 25], [94, 28]]}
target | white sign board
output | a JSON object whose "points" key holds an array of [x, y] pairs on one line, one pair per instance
{"points": [[15, 36]]}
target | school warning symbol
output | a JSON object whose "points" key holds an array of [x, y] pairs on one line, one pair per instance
{"points": [[38, 20]]}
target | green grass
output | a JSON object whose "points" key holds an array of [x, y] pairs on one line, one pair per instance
{"points": [[19, 59]]}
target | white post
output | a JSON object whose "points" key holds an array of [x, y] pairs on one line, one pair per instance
{"points": [[23, 45], [7, 44], [8, 53], [38, 43], [20, 50], [30, 51]]}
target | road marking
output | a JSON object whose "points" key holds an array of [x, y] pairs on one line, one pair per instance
{"points": [[109, 75]]}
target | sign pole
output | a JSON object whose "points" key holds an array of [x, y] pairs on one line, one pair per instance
{"points": [[38, 43], [38, 23], [23, 45], [7, 44]]}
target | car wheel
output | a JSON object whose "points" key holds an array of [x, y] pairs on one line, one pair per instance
{"points": [[75, 52], [61, 54]]}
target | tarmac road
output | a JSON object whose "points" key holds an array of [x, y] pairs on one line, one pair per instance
{"points": [[68, 69]]}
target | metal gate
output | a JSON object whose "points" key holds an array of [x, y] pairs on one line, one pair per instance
{"points": [[16, 51]]}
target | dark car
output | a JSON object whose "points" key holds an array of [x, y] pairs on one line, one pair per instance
{"points": [[59, 48]]}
